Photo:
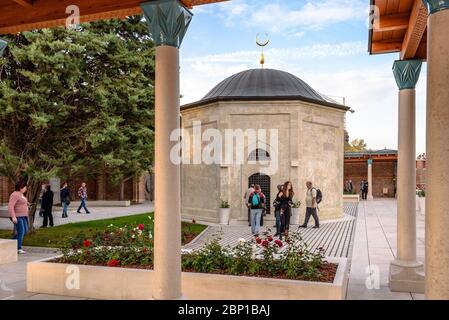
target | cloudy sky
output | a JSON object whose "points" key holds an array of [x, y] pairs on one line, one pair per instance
{"points": [[323, 42]]}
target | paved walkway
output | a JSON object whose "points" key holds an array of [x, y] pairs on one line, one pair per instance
{"points": [[333, 236], [374, 249], [97, 213]]}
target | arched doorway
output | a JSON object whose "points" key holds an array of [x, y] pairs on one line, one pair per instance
{"points": [[265, 184]]}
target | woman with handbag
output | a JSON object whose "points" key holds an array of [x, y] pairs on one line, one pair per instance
{"points": [[65, 199], [285, 200]]}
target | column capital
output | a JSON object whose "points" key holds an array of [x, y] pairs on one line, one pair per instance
{"points": [[3, 45], [406, 73], [434, 6], [167, 20], [370, 162]]}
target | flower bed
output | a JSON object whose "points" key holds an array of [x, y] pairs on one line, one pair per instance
{"points": [[118, 256]]}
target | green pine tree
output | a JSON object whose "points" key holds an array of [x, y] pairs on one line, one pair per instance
{"points": [[77, 102]]}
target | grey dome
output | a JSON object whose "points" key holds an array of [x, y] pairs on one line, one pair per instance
{"points": [[263, 85]]}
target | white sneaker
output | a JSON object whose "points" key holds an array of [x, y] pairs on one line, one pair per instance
{"points": [[21, 251]]}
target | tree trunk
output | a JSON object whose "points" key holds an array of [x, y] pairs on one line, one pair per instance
{"points": [[33, 193]]}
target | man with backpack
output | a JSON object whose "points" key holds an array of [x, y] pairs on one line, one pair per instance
{"points": [[313, 198], [256, 203]]}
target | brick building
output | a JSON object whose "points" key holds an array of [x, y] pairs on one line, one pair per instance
{"points": [[384, 170], [135, 189]]}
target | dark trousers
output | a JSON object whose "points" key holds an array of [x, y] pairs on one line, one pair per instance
{"points": [[312, 212], [48, 217], [285, 221], [364, 194]]}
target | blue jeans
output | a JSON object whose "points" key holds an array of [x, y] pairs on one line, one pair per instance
{"points": [[83, 205], [278, 221], [65, 206], [256, 214], [21, 228]]}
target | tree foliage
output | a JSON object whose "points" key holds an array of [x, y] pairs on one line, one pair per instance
{"points": [[77, 102], [356, 145]]}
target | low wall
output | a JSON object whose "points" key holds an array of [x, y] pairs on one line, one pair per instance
{"points": [[8, 251], [130, 284], [351, 198]]}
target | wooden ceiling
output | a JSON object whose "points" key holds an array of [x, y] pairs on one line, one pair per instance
{"points": [[401, 27], [24, 15]]}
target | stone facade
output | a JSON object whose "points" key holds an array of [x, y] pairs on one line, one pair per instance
{"points": [[310, 147]]}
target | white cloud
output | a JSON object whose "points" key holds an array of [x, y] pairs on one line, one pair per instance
{"points": [[288, 16]]}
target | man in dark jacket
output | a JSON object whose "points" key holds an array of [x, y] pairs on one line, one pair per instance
{"points": [[47, 206]]}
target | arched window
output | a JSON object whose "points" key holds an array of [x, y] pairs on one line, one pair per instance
{"points": [[259, 155]]}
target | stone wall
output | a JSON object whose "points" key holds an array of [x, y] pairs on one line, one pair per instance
{"points": [[310, 148]]}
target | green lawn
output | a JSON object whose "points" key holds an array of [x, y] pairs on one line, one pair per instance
{"points": [[54, 237]]}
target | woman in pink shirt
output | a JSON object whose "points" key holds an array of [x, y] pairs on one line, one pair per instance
{"points": [[18, 212]]}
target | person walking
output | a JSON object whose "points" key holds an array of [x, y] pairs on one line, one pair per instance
{"points": [[47, 206], [246, 197], [285, 199], [82, 194], [351, 187], [364, 188], [65, 199], [18, 208], [311, 206], [256, 202]]}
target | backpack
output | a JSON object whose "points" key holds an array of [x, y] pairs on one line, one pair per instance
{"points": [[255, 200], [319, 196]]}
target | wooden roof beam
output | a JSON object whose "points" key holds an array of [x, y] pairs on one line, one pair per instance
{"points": [[393, 22], [386, 46], [415, 32], [24, 3]]}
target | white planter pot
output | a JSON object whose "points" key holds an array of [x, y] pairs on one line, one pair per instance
{"points": [[295, 218], [224, 215], [422, 205]]}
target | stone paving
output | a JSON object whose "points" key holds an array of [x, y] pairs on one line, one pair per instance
{"points": [[374, 249], [334, 236]]}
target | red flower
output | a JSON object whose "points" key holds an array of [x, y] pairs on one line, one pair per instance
{"points": [[288, 241], [270, 238], [141, 226], [279, 243], [113, 263], [87, 243], [265, 243], [258, 240]]}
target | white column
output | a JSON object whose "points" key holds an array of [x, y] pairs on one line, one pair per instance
{"points": [[406, 274], [168, 21], [167, 226], [437, 184], [370, 180]]}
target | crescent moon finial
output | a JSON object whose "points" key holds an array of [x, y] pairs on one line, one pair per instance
{"points": [[262, 45]]}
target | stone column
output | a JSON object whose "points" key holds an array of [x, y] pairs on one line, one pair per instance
{"points": [[437, 188], [370, 180], [168, 21], [406, 274]]}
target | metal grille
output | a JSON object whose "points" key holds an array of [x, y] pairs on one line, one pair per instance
{"points": [[264, 182]]}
